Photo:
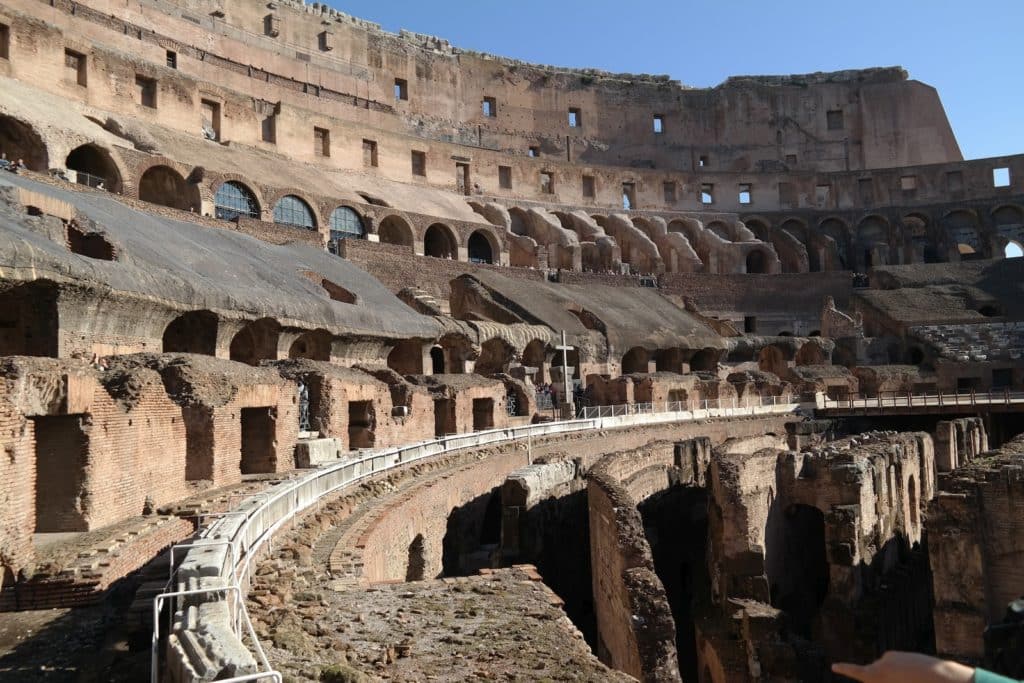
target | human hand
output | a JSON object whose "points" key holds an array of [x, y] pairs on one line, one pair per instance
{"points": [[906, 667]]}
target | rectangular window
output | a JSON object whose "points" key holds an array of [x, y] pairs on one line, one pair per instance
{"points": [[210, 119], [369, 153], [1001, 177], [505, 177], [659, 124], [145, 89], [5, 41], [172, 59], [629, 196], [822, 195], [787, 194], [866, 190], [272, 25], [74, 62], [419, 163], [575, 118], [589, 187], [955, 181], [547, 182], [744, 193], [669, 191], [490, 107], [534, 152], [268, 129], [326, 39], [707, 193], [749, 324], [401, 89], [791, 162], [834, 119], [702, 161], [321, 142], [462, 178], [908, 184]]}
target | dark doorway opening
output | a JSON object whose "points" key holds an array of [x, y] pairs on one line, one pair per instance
{"points": [[437, 360], [417, 566], [444, 417], [361, 425], [797, 565], [483, 414], [258, 437], [62, 448]]}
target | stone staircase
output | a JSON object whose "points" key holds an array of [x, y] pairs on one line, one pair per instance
{"points": [[424, 303], [977, 343]]}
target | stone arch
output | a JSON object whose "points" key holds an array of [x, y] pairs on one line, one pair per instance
{"points": [[437, 363], [161, 184], [293, 210], [482, 247], [19, 140], [773, 360], [406, 358], [963, 230], [1008, 221], [705, 360], [873, 241], [919, 238], [256, 342], [233, 200], [811, 354], [839, 232], [346, 223], [535, 355], [457, 349], [720, 229], [761, 227], [519, 221], [95, 167], [440, 242], [1013, 249], [757, 261], [394, 229], [669, 360], [636, 361], [192, 332], [496, 356], [314, 345]]}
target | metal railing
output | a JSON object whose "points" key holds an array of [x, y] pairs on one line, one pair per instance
{"points": [[236, 538], [893, 399], [726, 407]]}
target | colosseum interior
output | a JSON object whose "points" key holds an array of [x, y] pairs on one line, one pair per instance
{"points": [[333, 354]]}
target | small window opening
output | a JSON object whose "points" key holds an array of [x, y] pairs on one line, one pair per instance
{"points": [[744, 193], [75, 64], [866, 189], [401, 89], [145, 89], [750, 324], [908, 183], [575, 118], [326, 41], [5, 41], [172, 59], [834, 119], [547, 182], [707, 193], [955, 181], [628, 196], [321, 142], [370, 153], [659, 124], [268, 129], [534, 152], [589, 187], [669, 191], [822, 194], [791, 161], [419, 163], [272, 25], [702, 161], [490, 107], [1001, 177], [210, 115], [505, 177]]}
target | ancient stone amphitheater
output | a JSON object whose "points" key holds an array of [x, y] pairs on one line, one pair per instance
{"points": [[332, 354]]}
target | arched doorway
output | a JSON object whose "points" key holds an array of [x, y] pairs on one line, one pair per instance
{"points": [[437, 361], [94, 167], [1013, 249], [18, 140], [193, 332], [705, 360], [480, 249], [756, 262], [771, 359], [534, 356], [345, 224], [394, 230], [496, 355], [164, 186], [234, 200], [315, 345], [873, 242], [256, 342], [294, 211], [439, 242], [635, 361], [407, 357]]}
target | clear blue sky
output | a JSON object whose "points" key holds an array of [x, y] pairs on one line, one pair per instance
{"points": [[971, 51]]}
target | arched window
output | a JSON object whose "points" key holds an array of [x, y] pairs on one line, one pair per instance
{"points": [[234, 200], [1013, 250], [290, 210], [480, 248], [346, 224]]}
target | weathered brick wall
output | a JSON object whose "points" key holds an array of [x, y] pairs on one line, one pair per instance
{"points": [[17, 483]]}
